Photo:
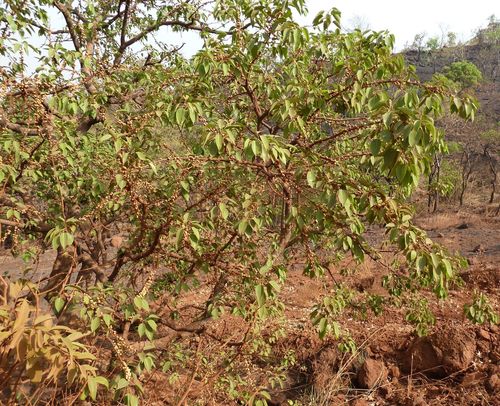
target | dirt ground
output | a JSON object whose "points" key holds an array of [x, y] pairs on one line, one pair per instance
{"points": [[388, 348], [459, 364]]}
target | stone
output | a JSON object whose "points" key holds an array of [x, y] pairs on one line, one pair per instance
{"points": [[394, 371], [359, 402], [116, 241], [278, 399], [482, 333], [472, 261], [365, 283], [418, 400], [478, 249], [494, 356], [371, 373], [473, 378], [324, 368], [447, 351], [463, 226], [493, 384], [385, 391]]}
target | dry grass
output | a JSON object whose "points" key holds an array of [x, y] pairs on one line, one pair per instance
{"points": [[339, 382], [440, 221]]}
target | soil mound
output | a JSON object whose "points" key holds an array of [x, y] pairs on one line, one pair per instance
{"points": [[449, 350]]}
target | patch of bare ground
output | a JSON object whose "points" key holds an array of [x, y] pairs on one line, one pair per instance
{"points": [[457, 364]]}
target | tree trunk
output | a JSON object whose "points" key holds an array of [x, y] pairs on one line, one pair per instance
{"points": [[62, 268]]}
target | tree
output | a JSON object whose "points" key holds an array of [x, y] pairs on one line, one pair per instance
{"points": [[464, 73], [489, 35], [491, 144], [418, 43], [433, 44], [451, 39], [359, 22], [151, 175]]}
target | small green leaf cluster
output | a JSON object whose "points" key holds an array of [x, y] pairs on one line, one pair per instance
{"points": [[324, 314], [480, 310], [420, 316], [448, 181]]}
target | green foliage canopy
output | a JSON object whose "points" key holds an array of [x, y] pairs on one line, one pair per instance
{"points": [[464, 73], [274, 142]]}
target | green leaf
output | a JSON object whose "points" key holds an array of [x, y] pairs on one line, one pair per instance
{"points": [[122, 383], [219, 141], [66, 239], [101, 380], [152, 324], [390, 158], [311, 178], [242, 227], [387, 119], [412, 138], [343, 196], [107, 319], [141, 303], [260, 295], [323, 327], [59, 304], [105, 137], [180, 116], [375, 146], [223, 211], [95, 323], [131, 400], [120, 181], [141, 329], [92, 386]]}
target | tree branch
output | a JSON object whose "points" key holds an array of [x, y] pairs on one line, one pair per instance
{"points": [[69, 23], [17, 128]]}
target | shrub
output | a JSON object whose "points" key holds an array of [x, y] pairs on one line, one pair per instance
{"points": [[152, 177], [464, 73]]}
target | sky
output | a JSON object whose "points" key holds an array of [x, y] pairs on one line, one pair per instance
{"points": [[407, 18], [402, 18]]}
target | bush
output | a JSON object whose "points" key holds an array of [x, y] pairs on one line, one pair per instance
{"points": [[464, 73], [34, 350], [175, 192], [442, 80]]}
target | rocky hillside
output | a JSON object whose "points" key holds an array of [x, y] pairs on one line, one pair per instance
{"points": [[485, 56]]}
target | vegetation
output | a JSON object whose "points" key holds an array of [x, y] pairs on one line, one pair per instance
{"points": [[464, 73], [153, 176], [490, 34], [443, 181]]}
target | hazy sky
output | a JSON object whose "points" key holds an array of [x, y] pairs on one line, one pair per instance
{"points": [[402, 18], [407, 18]]}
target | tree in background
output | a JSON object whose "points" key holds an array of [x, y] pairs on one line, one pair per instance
{"points": [[490, 34], [464, 73], [418, 43], [178, 192], [451, 39]]}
